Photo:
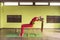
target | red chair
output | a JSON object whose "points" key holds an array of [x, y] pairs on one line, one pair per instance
{"points": [[28, 25]]}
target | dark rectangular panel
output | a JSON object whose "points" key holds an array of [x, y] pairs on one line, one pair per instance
{"points": [[14, 18], [53, 19]]}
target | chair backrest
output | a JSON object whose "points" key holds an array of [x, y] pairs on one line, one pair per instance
{"points": [[33, 20]]}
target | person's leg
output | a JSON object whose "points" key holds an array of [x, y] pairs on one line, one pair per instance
{"points": [[22, 30]]}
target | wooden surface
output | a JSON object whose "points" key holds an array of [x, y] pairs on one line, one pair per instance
{"points": [[48, 34]]}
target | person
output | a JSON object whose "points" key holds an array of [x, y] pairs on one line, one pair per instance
{"points": [[28, 25]]}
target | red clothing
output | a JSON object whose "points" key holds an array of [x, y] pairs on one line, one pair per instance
{"points": [[33, 20], [28, 25]]}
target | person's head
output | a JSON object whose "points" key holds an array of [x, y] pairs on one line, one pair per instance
{"points": [[40, 18], [37, 18]]}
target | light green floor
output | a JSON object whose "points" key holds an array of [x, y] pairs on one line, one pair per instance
{"points": [[25, 35]]}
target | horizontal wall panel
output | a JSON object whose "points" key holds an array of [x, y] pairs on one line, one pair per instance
{"points": [[54, 3], [10, 3], [41, 3], [26, 3], [53, 19], [14, 18]]}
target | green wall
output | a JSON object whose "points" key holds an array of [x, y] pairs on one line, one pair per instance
{"points": [[28, 12], [0, 15]]}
